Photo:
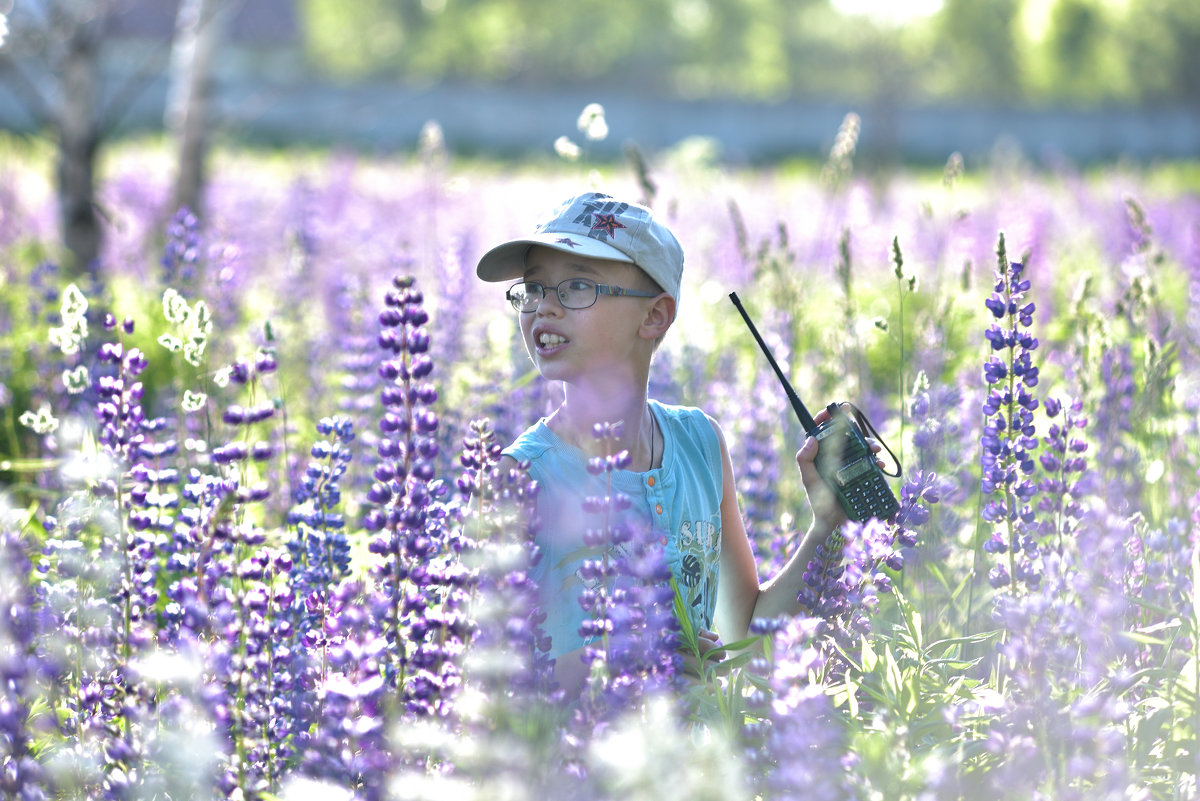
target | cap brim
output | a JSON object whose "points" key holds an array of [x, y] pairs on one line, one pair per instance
{"points": [[507, 262]]}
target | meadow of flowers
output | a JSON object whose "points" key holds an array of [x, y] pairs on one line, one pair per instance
{"points": [[256, 544]]}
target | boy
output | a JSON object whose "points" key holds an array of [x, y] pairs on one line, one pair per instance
{"points": [[596, 288]]}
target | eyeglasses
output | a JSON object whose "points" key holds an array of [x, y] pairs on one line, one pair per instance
{"points": [[573, 293]]}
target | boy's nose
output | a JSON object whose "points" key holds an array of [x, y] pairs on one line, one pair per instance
{"points": [[549, 302]]}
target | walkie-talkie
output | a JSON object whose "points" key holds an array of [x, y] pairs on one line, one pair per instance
{"points": [[844, 459]]}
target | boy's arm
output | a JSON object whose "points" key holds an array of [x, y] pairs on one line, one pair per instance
{"points": [[740, 597]]}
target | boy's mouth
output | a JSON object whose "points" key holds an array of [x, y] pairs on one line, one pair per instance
{"points": [[549, 340]]}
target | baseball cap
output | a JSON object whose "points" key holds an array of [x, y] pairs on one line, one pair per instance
{"points": [[602, 227]]}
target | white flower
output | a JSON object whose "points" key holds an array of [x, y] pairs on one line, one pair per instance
{"points": [[591, 122], [76, 381], [175, 308], [42, 422], [193, 401], [566, 149]]}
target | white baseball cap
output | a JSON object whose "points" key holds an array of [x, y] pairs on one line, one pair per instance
{"points": [[602, 227]]}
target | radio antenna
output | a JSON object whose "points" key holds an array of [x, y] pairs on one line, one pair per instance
{"points": [[806, 419]]}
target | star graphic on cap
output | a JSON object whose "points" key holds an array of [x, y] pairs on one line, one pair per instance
{"points": [[608, 224], [565, 241]]}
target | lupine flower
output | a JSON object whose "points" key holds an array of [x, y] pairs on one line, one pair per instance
{"points": [[1063, 464], [418, 576], [319, 551], [938, 474], [631, 604], [324, 546], [843, 581], [508, 699], [183, 254], [349, 742], [237, 595], [501, 516], [1009, 436], [758, 480], [357, 391], [1059, 707], [804, 740], [1121, 468], [22, 776]]}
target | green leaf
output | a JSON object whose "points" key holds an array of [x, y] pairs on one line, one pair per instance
{"points": [[686, 632], [726, 666], [869, 658], [894, 676]]}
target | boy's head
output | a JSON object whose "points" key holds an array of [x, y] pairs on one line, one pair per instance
{"points": [[601, 227]]}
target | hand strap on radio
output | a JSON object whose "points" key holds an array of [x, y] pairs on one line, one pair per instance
{"points": [[864, 425]]}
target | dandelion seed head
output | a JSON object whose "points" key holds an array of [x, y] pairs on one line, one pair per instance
{"points": [[566, 149]]}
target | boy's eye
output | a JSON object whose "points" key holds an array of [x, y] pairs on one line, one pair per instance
{"points": [[579, 285]]}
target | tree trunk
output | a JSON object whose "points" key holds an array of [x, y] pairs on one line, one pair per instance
{"points": [[78, 139], [198, 31]]}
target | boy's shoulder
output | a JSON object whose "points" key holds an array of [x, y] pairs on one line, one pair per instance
{"points": [[692, 415], [531, 443]]}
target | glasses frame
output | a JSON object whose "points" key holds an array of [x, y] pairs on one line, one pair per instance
{"points": [[601, 289]]}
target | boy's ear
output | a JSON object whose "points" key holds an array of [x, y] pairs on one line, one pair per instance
{"points": [[659, 317]]}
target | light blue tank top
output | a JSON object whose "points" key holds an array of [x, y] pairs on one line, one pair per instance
{"points": [[679, 502]]}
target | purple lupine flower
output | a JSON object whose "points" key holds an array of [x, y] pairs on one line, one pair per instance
{"points": [[631, 604], [938, 474], [105, 605], [319, 556], [86, 608], [1064, 466], [851, 569], [501, 513], [920, 491], [805, 742], [1009, 436], [252, 682], [508, 684], [1121, 470], [22, 775], [1061, 700], [183, 254], [758, 481], [419, 579], [357, 387], [349, 744], [320, 549]]}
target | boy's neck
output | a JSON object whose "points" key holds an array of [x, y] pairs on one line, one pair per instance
{"points": [[582, 409]]}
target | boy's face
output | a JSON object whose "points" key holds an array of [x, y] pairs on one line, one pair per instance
{"points": [[567, 343]]}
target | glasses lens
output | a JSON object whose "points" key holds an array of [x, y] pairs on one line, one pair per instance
{"points": [[577, 293], [525, 296]]}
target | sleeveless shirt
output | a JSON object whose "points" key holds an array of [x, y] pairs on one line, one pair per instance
{"points": [[679, 503]]}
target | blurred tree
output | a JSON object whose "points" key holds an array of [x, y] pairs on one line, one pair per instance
{"points": [[65, 37], [199, 28], [352, 41], [51, 62], [1162, 40], [978, 42], [1075, 41]]}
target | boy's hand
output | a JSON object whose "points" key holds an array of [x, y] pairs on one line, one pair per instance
{"points": [[826, 509], [706, 641]]}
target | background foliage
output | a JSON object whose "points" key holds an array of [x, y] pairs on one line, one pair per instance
{"points": [[1061, 52]]}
